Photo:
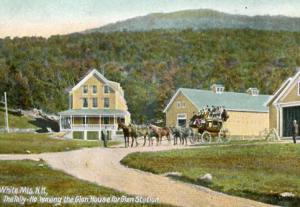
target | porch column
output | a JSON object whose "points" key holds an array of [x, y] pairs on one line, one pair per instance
{"points": [[71, 117], [100, 135], [60, 123], [114, 120], [278, 117], [280, 122], [85, 135]]}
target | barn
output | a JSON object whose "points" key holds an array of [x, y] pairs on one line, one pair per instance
{"points": [[249, 115], [284, 106]]}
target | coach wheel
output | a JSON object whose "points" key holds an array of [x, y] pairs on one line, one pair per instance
{"points": [[192, 139], [206, 137]]}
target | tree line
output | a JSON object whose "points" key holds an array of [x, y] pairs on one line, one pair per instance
{"points": [[150, 66]]}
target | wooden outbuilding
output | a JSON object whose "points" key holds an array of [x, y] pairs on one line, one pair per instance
{"points": [[284, 106], [249, 115]]}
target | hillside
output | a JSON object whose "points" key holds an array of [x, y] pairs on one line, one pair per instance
{"points": [[36, 71], [16, 121], [201, 19]]}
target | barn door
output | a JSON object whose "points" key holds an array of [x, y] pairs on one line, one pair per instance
{"points": [[289, 114], [181, 120]]}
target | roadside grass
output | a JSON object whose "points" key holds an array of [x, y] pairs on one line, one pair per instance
{"points": [[58, 184], [39, 143], [15, 121], [256, 171], [234, 142]]}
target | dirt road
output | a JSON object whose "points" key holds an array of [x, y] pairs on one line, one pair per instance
{"points": [[102, 166]]}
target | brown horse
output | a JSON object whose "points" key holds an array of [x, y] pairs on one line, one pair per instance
{"points": [[128, 132], [160, 132]]}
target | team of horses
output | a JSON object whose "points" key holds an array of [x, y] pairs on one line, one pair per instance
{"points": [[153, 132], [198, 124]]}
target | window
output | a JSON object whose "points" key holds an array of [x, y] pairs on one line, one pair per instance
{"points": [[178, 104], [183, 105], [254, 92], [85, 103], [94, 89], [95, 102], [106, 89], [85, 89], [219, 89], [106, 102], [181, 120]]}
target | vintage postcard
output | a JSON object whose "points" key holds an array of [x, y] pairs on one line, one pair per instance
{"points": [[192, 103]]}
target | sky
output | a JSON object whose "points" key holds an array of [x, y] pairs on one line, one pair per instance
{"points": [[50, 17]]}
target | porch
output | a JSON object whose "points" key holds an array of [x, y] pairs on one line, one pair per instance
{"points": [[91, 120]]}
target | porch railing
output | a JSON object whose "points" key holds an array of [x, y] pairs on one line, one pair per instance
{"points": [[94, 126]]}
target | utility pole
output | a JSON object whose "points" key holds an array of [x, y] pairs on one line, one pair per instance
{"points": [[6, 113]]}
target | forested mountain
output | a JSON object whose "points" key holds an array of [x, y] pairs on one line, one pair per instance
{"points": [[150, 65], [201, 19]]}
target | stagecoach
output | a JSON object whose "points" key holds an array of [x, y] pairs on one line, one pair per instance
{"points": [[207, 130]]}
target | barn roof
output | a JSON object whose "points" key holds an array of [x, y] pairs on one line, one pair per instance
{"points": [[231, 100]]}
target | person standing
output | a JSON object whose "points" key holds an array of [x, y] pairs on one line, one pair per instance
{"points": [[104, 137], [295, 130]]}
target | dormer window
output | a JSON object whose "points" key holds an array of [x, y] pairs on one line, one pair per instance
{"points": [[106, 89], [217, 88], [253, 91], [85, 89]]}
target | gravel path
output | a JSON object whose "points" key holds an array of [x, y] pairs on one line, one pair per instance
{"points": [[102, 166]]}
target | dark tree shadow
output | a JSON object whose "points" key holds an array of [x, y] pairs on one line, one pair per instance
{"points": [[43, 124]]}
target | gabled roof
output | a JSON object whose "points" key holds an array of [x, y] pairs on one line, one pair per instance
{"points": [[232, 101], [285, 88], [281, 88], [88, 75], [114, 85]]}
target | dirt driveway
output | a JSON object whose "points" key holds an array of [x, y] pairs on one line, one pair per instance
{"points": [[102, 166]]}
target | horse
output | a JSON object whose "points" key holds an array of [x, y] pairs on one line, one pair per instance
{"points": [[128, 132], [176, 134], [160, 132], [182, 133], [146, 133]]}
